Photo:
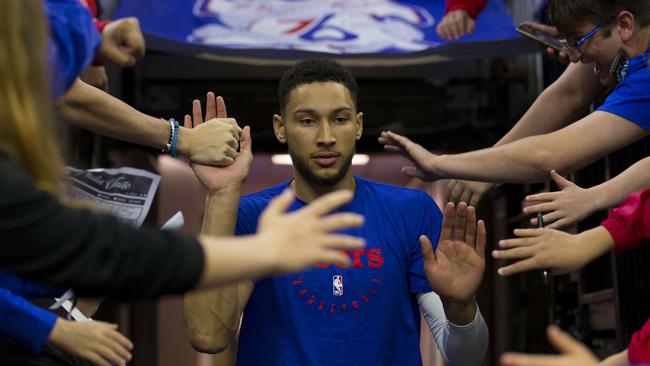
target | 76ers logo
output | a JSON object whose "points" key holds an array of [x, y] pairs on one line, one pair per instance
{"points": [[331, 26], [337, 285]]}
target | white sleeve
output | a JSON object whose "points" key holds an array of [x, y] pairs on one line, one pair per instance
{"points": [[460, 345]]}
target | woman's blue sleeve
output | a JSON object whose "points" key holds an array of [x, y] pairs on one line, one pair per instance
{"points": [[24, 323]]}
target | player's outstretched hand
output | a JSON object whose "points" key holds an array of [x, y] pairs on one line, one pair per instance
{"points": [[216, 178], [455, 268]]}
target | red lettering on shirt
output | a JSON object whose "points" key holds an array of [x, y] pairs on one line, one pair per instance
{"points": [[375, 260], [356, 258]]}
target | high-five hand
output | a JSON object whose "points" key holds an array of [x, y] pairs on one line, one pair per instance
{"points": [[306, 237], [573, 353], [423, 160], [215, 141], [215, 178], [565, 207], [556, 250], [459, 190], [455, 269]]}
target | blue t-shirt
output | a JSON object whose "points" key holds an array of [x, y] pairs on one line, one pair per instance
{"points": [[363, 315], [631, 97]]}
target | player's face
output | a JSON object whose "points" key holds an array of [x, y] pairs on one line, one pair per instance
{"points": [[320, 126]]}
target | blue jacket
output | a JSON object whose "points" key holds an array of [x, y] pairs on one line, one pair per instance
{"points": [[20, 321], [74, 41]]}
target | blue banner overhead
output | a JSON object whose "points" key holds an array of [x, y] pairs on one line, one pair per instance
{"points": [[283, 30]]}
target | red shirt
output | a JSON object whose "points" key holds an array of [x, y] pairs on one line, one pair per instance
{"points": [[629, 223], [472, 7], [92, 6], [638, 352]]}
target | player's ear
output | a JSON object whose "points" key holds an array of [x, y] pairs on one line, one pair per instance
{"points": [[359, 125], [278, 129]]}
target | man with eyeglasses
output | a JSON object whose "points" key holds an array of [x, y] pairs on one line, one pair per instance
{"points": [[595, 32]]}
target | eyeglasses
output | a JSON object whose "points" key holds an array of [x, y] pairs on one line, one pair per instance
{"points": [[574, 48]]}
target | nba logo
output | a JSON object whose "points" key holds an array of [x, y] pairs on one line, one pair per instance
{"points": [[337, 285]]}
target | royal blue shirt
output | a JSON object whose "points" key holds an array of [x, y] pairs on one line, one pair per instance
{"points": [[73, 42], [24, 323], [28, 289], [366, 314], [631, 97]]}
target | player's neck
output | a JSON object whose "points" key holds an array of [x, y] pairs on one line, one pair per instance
{"points": [[307, 191]]}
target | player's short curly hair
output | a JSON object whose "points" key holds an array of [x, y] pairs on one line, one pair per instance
{"points": [[315, 71]]}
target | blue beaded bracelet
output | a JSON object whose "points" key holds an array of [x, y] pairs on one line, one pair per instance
{"points": [[172, 150]]}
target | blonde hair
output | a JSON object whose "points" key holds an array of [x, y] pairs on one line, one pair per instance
{"points": [[27, 133]]}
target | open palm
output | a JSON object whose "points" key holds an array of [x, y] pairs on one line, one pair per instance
{"points": [[455, 269], [423, 166], [215, 178], [573, 353], [565, 207]]}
